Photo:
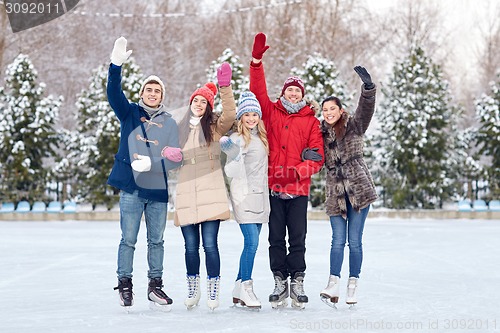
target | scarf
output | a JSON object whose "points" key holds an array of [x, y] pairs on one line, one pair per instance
{"points": [[194, 120], [290, 107], [153, 112]]}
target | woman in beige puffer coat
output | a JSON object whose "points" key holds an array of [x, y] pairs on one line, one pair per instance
{"points": [[201, 197]]}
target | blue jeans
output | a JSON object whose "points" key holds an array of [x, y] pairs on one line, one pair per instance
{"points": [[251, 232], [209, 233], [353, 227], [155, 213]]}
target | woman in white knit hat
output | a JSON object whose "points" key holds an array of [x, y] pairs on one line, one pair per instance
{"points": [[247, 153]]}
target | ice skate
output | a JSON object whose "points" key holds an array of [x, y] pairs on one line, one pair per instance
{"points": [[125, 291], [248, 298], [278, 298], [352, 285], [330, 295], [297, 294], [236, 292], [193, 297], [213, 285], [158, 300]]}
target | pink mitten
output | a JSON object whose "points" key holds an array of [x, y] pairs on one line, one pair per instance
{"points": [[171, 153], [224, 74]]}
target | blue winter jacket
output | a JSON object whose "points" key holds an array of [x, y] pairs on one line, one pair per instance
{"points": [[144, 136]]}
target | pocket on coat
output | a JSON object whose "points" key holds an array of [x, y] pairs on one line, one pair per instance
{"points": [[254, 202]]}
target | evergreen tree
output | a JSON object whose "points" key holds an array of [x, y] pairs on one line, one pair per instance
{"points": [[321, 79], [488, 134], [416, 137], [239, 82], [92, 149], [27, 134]]}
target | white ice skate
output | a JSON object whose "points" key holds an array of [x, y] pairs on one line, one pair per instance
{"points": [[330, 295], [236, 292], [193, 297], [351, 299], [213, 285], [248, 298]]}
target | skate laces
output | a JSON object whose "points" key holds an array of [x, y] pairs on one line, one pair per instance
{"points": [[351, 288], [298, 286], [192, 282], [213, 288], [279, 285]]}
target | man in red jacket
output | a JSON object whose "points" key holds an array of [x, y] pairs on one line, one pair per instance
{"points": [[296, 153]]}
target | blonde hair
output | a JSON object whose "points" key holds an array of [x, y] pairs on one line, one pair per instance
{"points": [[261, 132]]}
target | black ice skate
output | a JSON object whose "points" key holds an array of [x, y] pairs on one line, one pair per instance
{"points": [[158, 300], [297, 294], [125, 291], [280, 293]]}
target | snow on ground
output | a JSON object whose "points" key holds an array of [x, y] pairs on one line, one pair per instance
{"points": [[418, 276]]}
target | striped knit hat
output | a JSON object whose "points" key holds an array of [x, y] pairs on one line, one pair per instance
{"points": [[248, 103]]}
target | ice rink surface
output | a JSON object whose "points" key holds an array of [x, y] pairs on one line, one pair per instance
{"points": [[418, 276]]}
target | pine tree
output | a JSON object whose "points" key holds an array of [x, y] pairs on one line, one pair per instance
{"points": [[488, 134], [416, 135], [93, 148], [27, 134], [239, 82], [321, 79]]}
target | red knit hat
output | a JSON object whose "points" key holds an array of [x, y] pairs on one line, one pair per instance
{"points": [[293, 81], [209, 90]]}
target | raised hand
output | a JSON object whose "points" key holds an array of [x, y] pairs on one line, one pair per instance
{"points": [[365, 77], [229, 147], [224, 75], [120, 54], [311, 154], [259, 46]]}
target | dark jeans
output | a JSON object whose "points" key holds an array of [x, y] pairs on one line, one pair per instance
{"points": [[287, 216], [209, 233]]}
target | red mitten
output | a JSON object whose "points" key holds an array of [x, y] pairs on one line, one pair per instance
{"points": [[259, 46]]}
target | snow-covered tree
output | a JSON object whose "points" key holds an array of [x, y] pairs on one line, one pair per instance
{"points": [[321, 79], [416, 137], [93, 146], [488, 134], [27, 134], [239, 81]]}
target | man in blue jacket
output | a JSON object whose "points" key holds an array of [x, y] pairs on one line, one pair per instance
{"points": [[147, 132]]}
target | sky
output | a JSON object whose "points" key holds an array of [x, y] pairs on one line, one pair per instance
{"points": [[418, 275]]}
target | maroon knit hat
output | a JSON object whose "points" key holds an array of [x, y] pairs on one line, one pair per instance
{"points": [[209, 90], [293, 81]]}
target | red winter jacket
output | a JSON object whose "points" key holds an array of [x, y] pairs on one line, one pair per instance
{"points": [[288, 135]]}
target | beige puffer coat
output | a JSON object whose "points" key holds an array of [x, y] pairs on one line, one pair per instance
{"points": [[201, 193]]}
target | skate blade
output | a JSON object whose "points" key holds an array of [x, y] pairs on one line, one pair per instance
{"points": [[191, 307], [247, 307], [280, 304], [328, 301], [160, 307], [298, 305], [127, 309], [352, 306]]}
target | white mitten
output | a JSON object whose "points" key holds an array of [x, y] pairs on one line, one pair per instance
{"points": [[120, 54], [141, 164]]}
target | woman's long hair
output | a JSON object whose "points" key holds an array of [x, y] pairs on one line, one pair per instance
{"points": [[206, 135], [261, 132]]}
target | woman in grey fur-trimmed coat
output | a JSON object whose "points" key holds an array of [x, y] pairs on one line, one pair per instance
{"points": [[349, 184]]}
